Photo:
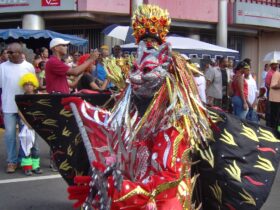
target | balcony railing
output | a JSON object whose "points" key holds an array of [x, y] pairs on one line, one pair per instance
{"points": [[275, 3]]}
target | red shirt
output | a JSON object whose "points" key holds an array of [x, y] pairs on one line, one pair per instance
{"points": [[269, 77], [56, 80], [236, 89]]}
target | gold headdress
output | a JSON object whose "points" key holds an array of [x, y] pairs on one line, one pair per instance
{"points": [[150, 21]]}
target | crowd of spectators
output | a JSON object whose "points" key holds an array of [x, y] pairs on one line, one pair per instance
{"points": [[223, 84], [232, 87], [57, 71]]}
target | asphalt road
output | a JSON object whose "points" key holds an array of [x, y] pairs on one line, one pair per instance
{"points": [[38, 192], [48, 191]]}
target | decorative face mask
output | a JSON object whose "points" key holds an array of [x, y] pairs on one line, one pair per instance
{"points": [[150, 69]]}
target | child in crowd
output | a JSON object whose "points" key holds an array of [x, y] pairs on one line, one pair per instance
{"points": [[28, 138], [42, 76], [37, 59], [261, 103]]}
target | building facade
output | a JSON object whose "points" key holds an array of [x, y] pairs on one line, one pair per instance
{"points": [[251, 26]]}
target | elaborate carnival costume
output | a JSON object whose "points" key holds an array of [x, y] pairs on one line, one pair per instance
{"points": [[159, 147]]}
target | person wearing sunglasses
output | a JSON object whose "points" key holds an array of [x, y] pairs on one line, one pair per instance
{"points": [[76, 56], [10, 73], [57, 71]]}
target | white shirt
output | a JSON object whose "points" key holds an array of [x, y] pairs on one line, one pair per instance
{"points": [[264, 73], [214, 75], [10, 74], [201, 87], [252, 89]]}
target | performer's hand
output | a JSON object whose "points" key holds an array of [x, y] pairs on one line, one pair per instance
{"points": [[66, 101]]}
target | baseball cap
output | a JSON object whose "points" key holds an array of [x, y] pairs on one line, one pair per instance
{"points": [[242, 65], [105, 47], [83, 58], [273, 61], [197, 65], [57, 41], [185, 56]]}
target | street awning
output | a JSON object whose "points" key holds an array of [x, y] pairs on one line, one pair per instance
{"points": [[37, 34]]}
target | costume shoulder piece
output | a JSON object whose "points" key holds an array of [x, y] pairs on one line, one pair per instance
{"points": [[58, 128], [246, 158]]}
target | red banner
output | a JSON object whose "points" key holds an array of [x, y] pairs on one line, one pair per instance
{"points": [[50, 3]]}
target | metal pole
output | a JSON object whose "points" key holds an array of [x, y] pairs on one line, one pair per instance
{"points": [[85, 138], [33, 22], [222, 32], [135, 4]]}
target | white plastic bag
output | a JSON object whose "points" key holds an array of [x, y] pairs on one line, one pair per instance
{"points": [[27, 138]]}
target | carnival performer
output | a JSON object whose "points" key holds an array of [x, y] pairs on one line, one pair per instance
{"points": [[28, 138], [144, 154], [159, 147], [157, 137]]}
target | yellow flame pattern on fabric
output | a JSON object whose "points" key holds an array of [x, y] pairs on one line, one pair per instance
{"points": [[208, 156], [78, 139], [249, 133], [234, 171], [51, 137], [65, 166], [70, 151], [65, 113], [35, 113], [215, 117], [50, 122], [228, 138], [247, 198], [217, 191], [264, 164], [267, 136], [66, 132], [45, 102]]}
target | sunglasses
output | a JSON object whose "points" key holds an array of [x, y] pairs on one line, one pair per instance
{"points": [[77, 55], [11, 52]]}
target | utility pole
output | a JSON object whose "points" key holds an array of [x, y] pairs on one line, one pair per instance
{"points": [[222, 30]]}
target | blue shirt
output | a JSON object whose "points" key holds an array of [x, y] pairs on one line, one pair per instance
{"points": [[101, 74]]}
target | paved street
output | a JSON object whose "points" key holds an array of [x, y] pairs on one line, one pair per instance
{"points": [[48, 191], [38, 192]]}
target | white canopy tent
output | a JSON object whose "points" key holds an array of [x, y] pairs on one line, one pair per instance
{"points": [[192, 47]]}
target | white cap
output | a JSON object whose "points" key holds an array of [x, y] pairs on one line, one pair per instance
{"points": [[273, 61], [58, 41], [197, 65], [185, 56]]}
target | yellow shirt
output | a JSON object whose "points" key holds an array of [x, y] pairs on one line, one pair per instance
{"points": [[274, 92]]}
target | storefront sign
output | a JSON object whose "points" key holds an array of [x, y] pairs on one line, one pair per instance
{"points": [[8, 6], [105, 6], [256, 14], [50, 3], [17, 3]]}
